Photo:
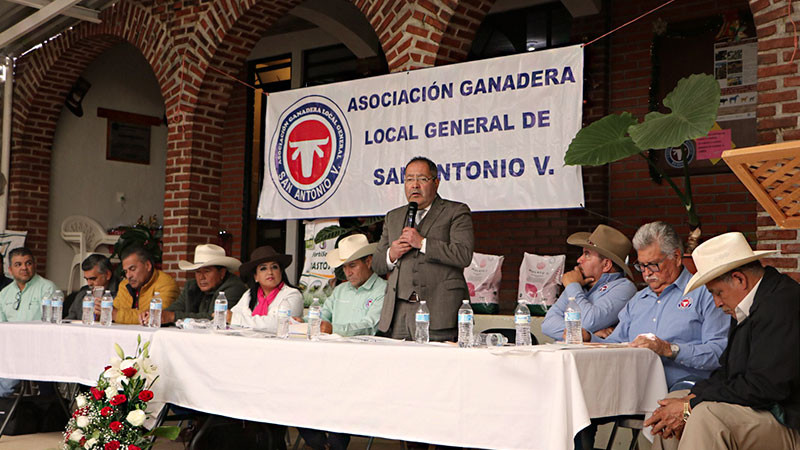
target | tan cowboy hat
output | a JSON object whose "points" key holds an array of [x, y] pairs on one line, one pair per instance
{"points": [[720, 255], [350, 249], [262, 255], [206, 255], [608, 242]]}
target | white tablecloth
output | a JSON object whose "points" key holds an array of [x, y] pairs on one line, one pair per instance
{"points": [[70, 352], [445, 395]]}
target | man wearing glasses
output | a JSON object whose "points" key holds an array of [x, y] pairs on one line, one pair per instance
{"points": [[425, 261], [686, 330], [21, 301]]}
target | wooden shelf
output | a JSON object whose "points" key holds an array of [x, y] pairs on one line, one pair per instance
{"points": [[772, 174]]}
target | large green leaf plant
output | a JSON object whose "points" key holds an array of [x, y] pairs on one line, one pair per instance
{"points": [[693, 108]]}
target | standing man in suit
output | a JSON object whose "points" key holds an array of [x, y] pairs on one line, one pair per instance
{"points": [[426, 261]]}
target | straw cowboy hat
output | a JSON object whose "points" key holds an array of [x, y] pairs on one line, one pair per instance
{"points": [[720, 255], [608, 242], [262, 255], [206, 255], [350, 249]]}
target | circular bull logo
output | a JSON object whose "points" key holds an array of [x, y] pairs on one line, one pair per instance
{"points": [[309, 151]]}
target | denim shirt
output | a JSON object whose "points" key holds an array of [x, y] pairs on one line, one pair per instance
{"points": [[600, 305]]}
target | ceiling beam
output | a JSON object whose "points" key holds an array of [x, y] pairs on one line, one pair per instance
{"points": [[27, 24], [77, 12]]}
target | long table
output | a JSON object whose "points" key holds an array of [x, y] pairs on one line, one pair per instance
{"points": [[500, 398]]}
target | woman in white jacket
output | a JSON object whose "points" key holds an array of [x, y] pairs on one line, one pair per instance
{"points": [[265, 274]]}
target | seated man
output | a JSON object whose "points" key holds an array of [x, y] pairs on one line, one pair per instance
{"points": [[686, 330], [97, 272], [600, 283], [21, 301], [142, 280], [354, 308], [753, 400], [213, 273]]}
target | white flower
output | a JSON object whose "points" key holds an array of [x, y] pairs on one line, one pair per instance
{"points": [[76, 436], [82, 421], [80, 401], [125, 364], [147, 369], [111, 391], [90, 443], [136, 417]]}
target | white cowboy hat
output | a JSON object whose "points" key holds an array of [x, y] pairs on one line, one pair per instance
{"points": [[350, 249], [720, 255], [210, 255]]}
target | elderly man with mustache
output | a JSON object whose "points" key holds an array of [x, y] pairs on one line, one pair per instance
{"points": [[686, 330]]}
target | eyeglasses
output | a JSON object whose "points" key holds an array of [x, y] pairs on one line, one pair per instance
{"points": [[653, 266], [420, 179], [19, 300]]}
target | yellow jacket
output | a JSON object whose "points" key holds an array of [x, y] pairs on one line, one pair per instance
{"points": [[160, 282]]}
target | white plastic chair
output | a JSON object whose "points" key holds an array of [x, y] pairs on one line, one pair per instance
{"points": [[84, 235]]}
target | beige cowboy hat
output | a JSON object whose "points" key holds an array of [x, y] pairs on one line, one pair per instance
{"points": [[608, 242], [350, 249], [720, 255], [206, 255]]}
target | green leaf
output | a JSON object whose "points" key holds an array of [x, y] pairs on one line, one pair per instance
{"points": [[330, 232], [164, 432], [602, 142], [693, 104]]}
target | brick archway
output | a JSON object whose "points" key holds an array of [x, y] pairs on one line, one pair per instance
{"points": [[44, 77]]}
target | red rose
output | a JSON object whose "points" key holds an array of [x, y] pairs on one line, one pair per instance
{"points": [[129, 372], [146, 395], [96, 393], [106, 368], [83, 441], [133, 447], [105, 412], [113, 445], [115, 426], [118, 399]]}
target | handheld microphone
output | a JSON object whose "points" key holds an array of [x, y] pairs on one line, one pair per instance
{"points": [[411, 215]]}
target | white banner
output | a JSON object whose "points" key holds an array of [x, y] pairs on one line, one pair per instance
{"points": [[498, 130]]}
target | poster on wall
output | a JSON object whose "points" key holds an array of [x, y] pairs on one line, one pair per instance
{"points": [[736, 71], [497, 129], [318, 278]]}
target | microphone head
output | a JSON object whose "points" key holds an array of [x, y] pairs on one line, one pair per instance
{"points": [[413, 206], [411, 214]]}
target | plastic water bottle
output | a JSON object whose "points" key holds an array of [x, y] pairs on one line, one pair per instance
{"points": [[155, 311], [87, 314], [572, 322], [283, 319], [314, 320], [106, 308], [47, 309], [57, 307], [465, 324], [423, 324], [221, 312], [522, 323]]}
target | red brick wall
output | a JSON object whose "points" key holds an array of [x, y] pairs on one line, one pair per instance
{"points": [[722, 201], [233, 153], [777, 110]]}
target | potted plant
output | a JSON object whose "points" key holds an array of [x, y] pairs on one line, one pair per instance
{"points": [[693, 108]]}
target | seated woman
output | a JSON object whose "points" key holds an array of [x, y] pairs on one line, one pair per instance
{"points": [[265, 274]]}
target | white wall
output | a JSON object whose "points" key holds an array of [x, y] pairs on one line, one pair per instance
{"points": [[83, 182]]}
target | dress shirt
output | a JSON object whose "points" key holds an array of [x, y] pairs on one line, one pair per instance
{"points": [[355, 311], [30, 306], [743, 308], [692, 321], [420, 215], [600, 305]]}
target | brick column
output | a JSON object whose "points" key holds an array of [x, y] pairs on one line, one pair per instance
{"points": [[778, 105]]}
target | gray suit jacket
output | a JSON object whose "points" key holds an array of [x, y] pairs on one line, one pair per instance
{"points": [[436, 276]]}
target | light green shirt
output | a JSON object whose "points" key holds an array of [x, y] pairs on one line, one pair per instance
{"points": [[30, 304], [355, 311]]}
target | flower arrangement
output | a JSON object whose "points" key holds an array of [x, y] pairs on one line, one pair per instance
{"points": [[112, 415]]}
